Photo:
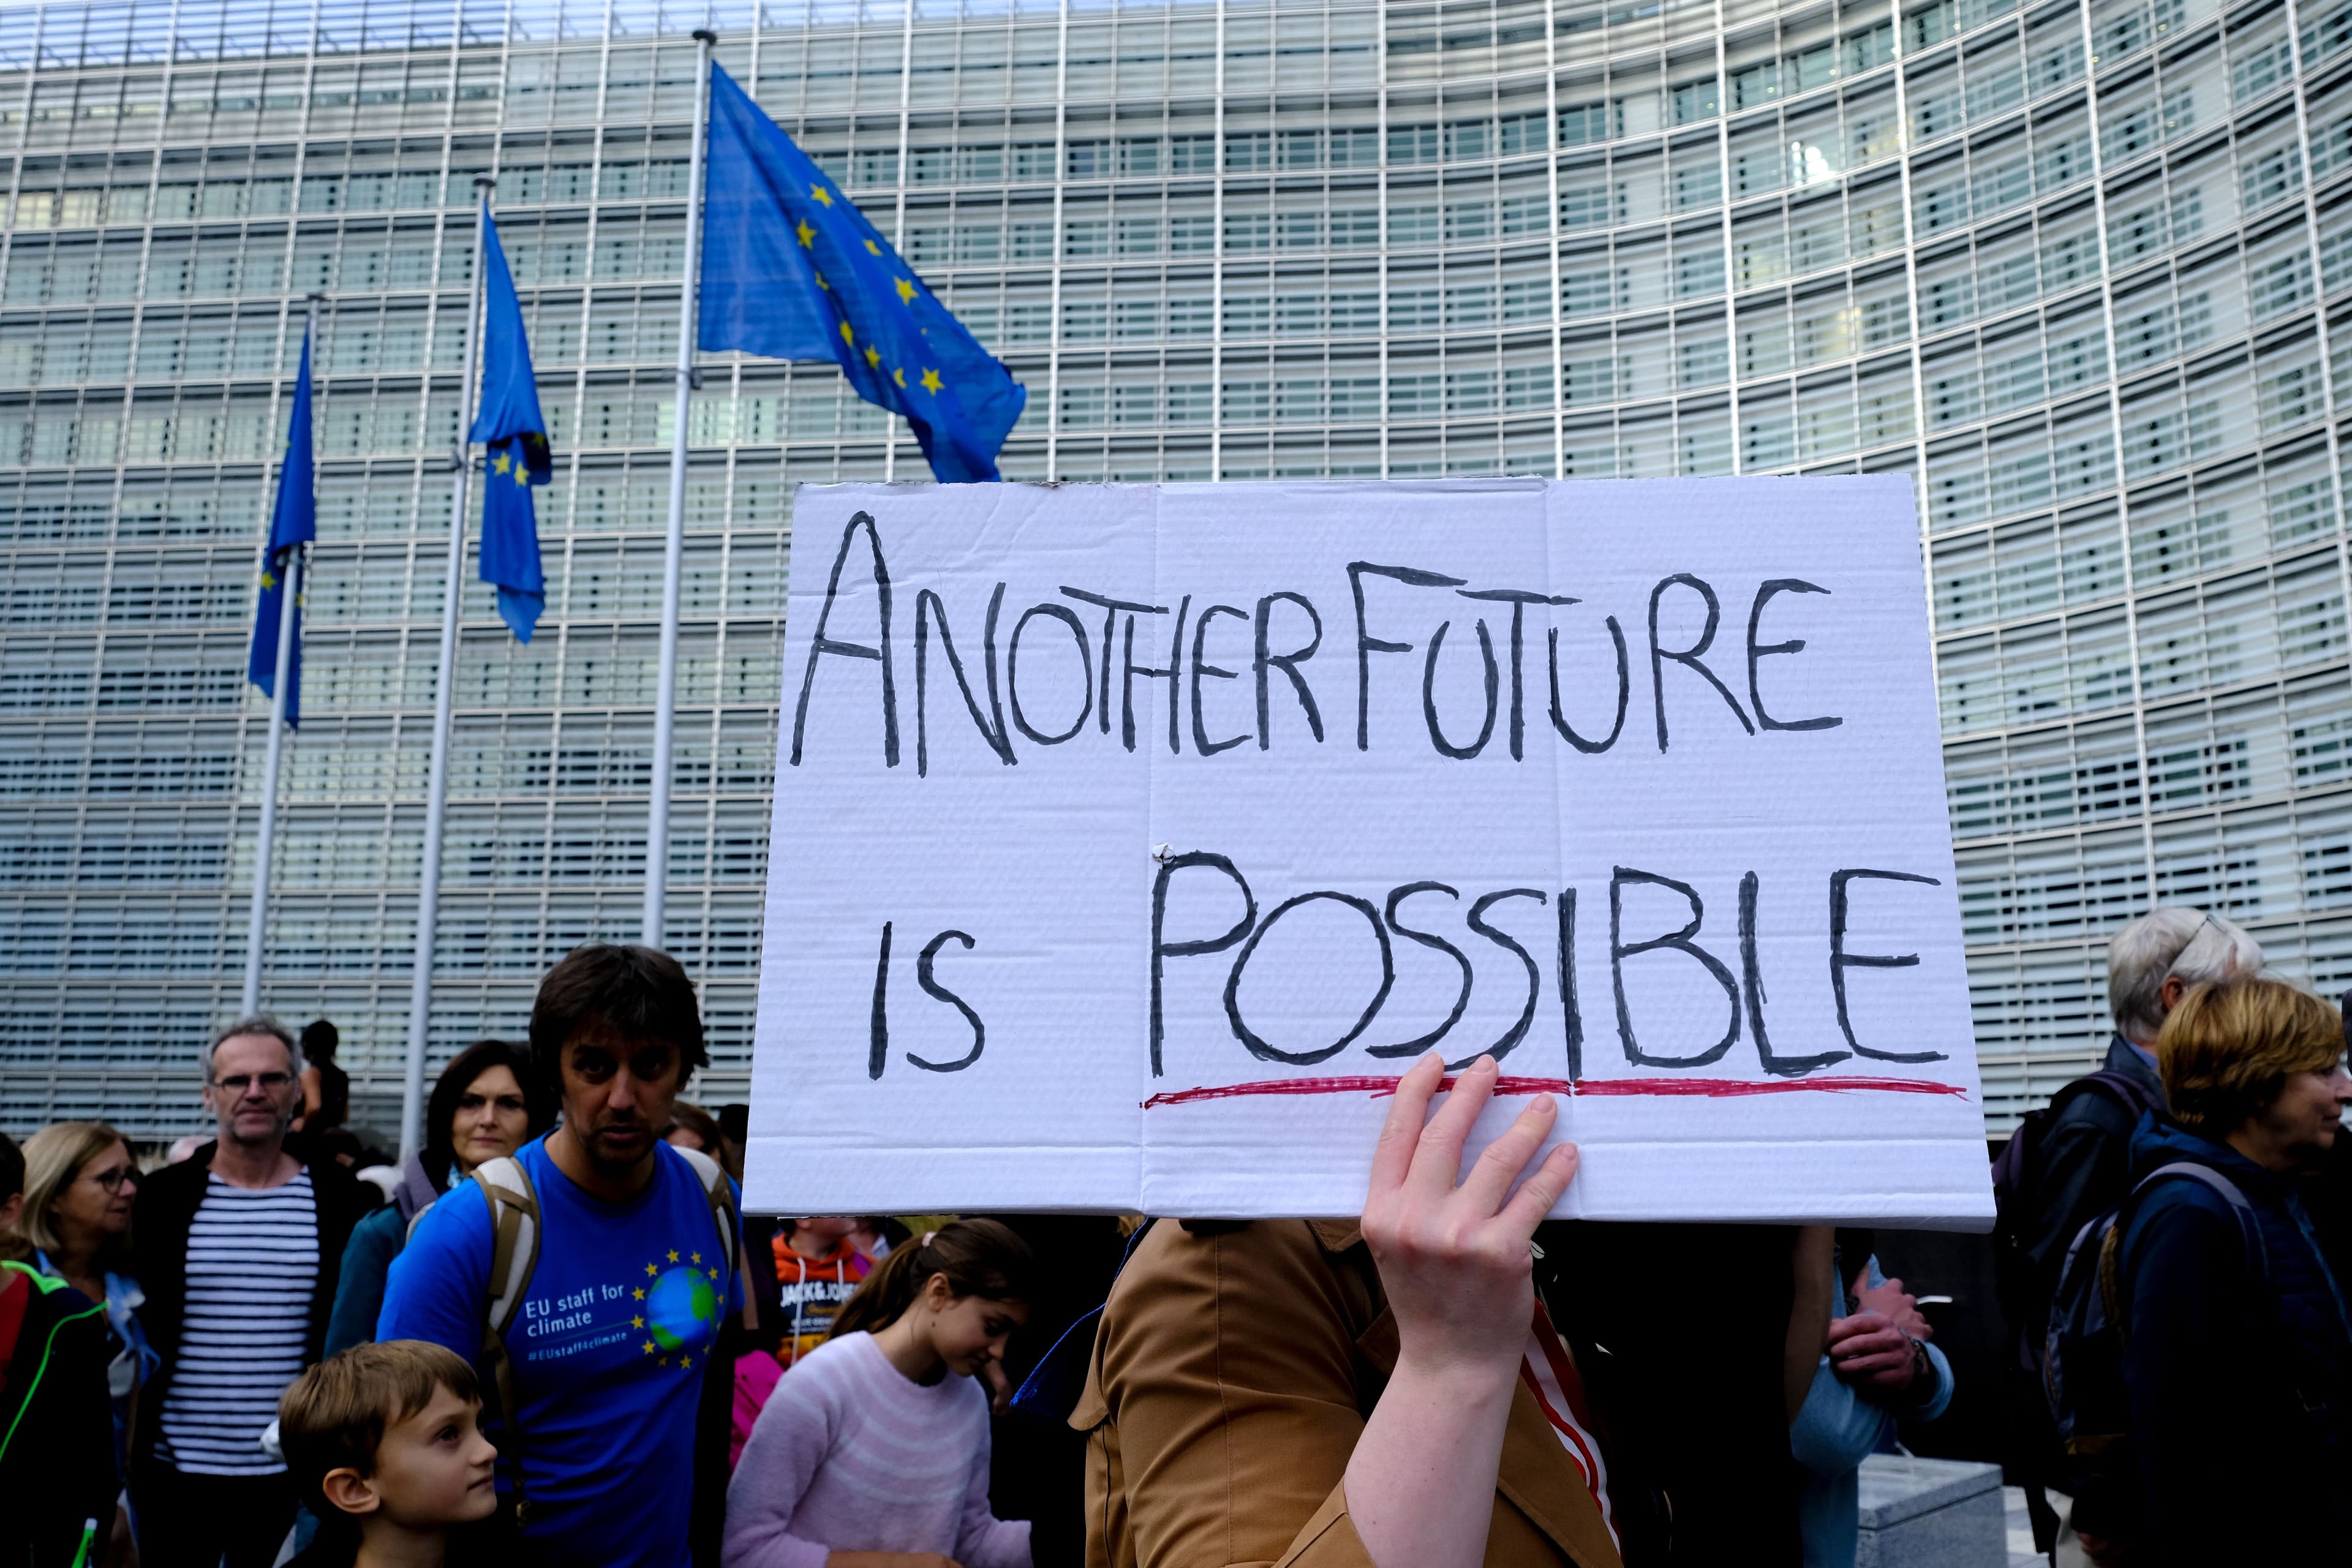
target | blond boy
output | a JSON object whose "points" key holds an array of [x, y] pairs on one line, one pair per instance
{"points": [[383, 1442]]}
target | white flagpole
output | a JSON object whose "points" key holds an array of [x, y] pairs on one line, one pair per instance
{"points": [[258, 917], [674, 554], [437, 786]]}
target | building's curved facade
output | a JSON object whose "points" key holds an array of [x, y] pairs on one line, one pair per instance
{"points": [[2068, 262]]}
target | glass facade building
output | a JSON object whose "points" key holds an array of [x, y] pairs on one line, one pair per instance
{"points": [[2071, 264]]}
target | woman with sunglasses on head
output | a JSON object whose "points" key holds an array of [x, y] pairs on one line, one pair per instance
{"points": [[484, 1106], [80, 1181]]}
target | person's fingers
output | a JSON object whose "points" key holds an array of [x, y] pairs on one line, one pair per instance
{"points": [[1408, 1111], [1501, 1162], [1437, 1157], [1540, 1192], [1861, 1279]]}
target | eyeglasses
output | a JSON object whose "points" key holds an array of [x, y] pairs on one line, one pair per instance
{"points": [[2191, 942], [112, 1180], [238, 1082]]}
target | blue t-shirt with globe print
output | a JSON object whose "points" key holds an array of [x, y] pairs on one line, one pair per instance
{"points": [[609, 1348]]}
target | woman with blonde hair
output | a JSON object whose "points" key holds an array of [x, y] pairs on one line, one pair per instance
{"points": [[80, 1180], [2238, 1347]]}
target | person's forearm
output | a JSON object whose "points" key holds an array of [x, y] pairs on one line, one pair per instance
{"points": [[1421, 1481], [1813, 1258]]}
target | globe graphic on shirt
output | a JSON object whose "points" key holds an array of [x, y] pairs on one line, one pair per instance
{"points": [[681, 1308]]}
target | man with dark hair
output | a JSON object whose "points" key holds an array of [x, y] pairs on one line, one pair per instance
{"points": [[238, 1248], [591, 1275]]}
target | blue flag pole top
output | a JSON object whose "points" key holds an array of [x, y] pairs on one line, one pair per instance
{"points": [[510, 425], [791, 269], [292, 524]]}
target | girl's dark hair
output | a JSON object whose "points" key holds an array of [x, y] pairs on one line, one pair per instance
{"points": [[440, 1153], [979, 1257]]}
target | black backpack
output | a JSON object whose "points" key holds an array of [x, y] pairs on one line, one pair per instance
{"points": [[2022, 1287], [2082, 1348]]}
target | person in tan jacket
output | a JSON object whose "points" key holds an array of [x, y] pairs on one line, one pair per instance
{"points": [[1341, 1394]]}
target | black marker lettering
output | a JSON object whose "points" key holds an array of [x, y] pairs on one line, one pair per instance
{"points": [[877, 1028], [1367, 644], [1572, 1013], [1689, 656], [1841, 961], [1518, 599], [1163, 949], [1421, 1042], [1265, 1051], [1200, 741], [928, 608], [939, 993], [1111, 609], [1287, 663], [1069, 618], [1428, 695], [1757, 651], [1751, 974], [1173, 675], [821, 644], [1624, 692], [1620, 949], [1511, 1036]]}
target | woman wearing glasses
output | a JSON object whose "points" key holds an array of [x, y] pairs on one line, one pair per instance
{"points": [[80, 1180]]}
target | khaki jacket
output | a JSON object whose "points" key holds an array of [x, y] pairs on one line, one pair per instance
{"points": [[1233, 1374]]}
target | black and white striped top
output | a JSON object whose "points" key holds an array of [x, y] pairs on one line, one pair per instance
{"points": [[253, 1268]]}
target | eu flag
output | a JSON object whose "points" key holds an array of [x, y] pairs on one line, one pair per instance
{"points": [[294, 523], [791, 269], [510, 425]]}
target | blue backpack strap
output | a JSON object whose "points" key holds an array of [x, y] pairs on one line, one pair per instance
{"points": [[1054, 1385]]}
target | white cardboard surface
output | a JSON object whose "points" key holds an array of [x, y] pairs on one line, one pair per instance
{"points": [[1016, 843]]}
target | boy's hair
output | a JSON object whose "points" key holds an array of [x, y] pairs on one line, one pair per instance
{"points": [[2227, 1049], [335, 1414]]}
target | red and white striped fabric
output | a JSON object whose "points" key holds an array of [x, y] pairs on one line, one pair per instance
{"points": [[1559, 1389]]}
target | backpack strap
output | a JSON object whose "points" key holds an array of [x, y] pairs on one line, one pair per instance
{"points": [[721, 1194], [514, 1256], [2250, 1232]]}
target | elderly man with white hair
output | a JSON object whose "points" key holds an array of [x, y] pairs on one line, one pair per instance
{"points": [[2078, 1161]]}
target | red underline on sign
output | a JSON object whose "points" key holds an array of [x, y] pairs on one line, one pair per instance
{"points": [[1706, 1088]]}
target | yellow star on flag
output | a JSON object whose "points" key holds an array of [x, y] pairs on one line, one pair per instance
{"points": [[269, 580], [822, 195], [503, 462], [823, 284], [872, 357], [872, 248], [932, 381], [905, 292], [808, 234], [846, 335], [899, 376], [522, 473]]}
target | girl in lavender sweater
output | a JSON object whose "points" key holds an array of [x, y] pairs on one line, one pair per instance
{"points": [[873, 1451]]}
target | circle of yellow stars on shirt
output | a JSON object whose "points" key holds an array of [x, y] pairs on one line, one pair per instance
{"points": [[638, 1320], [930, 381]]}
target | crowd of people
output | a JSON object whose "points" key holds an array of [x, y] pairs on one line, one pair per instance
{"points": [[552, 1338]]}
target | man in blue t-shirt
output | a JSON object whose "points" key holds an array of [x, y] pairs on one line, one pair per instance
{"points": [[621, 1373]]}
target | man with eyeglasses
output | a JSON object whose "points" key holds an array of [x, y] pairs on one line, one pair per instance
{"points": [[237, 1248]]}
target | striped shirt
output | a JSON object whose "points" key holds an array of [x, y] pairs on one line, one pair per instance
{"points": [[1550, 1374], [253, 1269]]}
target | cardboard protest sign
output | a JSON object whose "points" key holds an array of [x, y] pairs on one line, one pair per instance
{"points": [[1130, 840]]}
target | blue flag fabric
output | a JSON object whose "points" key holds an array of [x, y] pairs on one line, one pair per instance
{"points": [[510, 425], [293, 523], [791, 269]]}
